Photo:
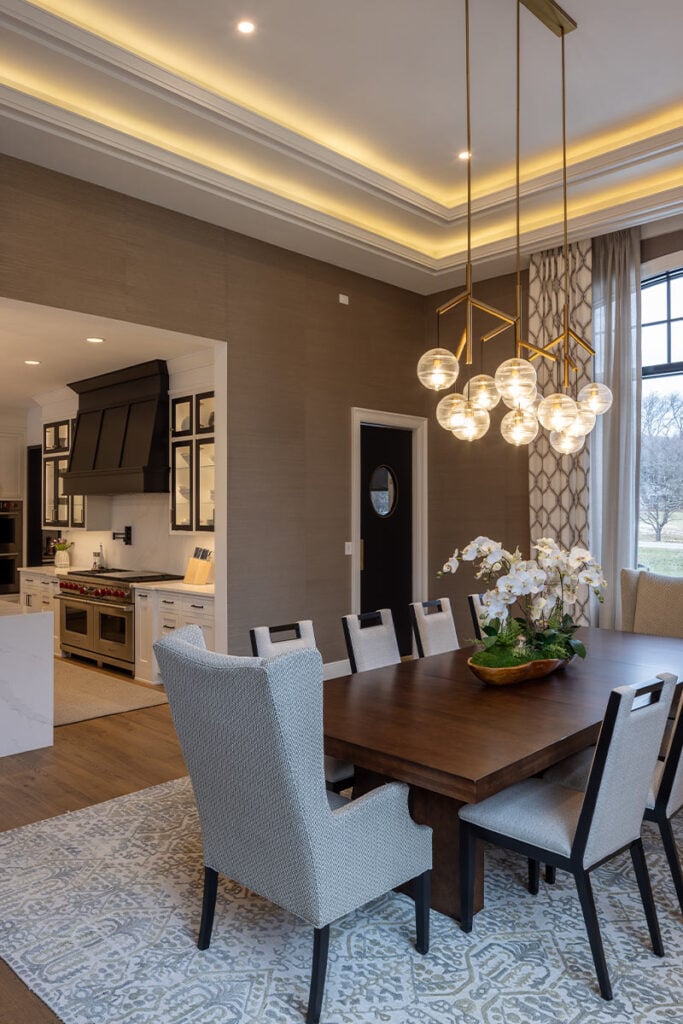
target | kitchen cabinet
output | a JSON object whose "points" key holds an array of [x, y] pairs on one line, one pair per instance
{"points": [[159, 612], [37, 594], [193, 457], [61, 510]]}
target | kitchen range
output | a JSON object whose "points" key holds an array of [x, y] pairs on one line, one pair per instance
{"points": [[97, 614]]}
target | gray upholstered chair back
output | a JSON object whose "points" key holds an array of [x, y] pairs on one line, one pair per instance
{"points": [[267, 647], [374, 645], [434, 627], [651, 603], [252, 738], [619, 783]]}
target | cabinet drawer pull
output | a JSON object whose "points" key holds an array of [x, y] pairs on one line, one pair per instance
{"points": [[143, 597], [46, 583], [168, 627], [164, 601], [199, 606]]}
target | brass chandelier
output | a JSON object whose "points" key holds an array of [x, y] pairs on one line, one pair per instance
{"points": [[466, 415]]}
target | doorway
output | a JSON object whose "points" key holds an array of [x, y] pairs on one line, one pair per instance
{"points": [[389, 515]]}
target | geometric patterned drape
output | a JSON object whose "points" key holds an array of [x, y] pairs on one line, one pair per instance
{"points": [[559, 484]]}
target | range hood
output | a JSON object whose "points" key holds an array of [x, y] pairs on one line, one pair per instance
{"points": [[120, 444]]}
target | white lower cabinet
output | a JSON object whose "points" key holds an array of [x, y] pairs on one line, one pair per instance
{"points": [[37, 594], [159, 612]]}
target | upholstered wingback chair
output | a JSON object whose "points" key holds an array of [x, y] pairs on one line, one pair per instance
{"points": [[251, 732], [651, 603]]}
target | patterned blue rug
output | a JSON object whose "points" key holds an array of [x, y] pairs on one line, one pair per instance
{"points": [[99, 911]]}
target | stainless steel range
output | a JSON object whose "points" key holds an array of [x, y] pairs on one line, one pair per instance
{"points": [[96, 616]]}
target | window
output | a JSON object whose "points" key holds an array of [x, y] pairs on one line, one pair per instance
{"points": [[660, 534]]}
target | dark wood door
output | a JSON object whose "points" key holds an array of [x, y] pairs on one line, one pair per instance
{"points": [[386, 523]]}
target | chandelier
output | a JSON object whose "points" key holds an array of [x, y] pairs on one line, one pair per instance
{"points": [[466, 414]]}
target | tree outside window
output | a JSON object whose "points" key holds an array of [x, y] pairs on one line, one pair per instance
{"points": [[660, 542]]}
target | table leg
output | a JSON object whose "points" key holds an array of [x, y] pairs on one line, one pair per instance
{"points": [[441, 814]]}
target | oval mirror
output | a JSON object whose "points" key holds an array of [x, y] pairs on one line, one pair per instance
{"points": [[383, 491]]}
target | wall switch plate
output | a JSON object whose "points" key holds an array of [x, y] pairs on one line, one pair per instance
{"points": [[348, 547], [344, 299]]}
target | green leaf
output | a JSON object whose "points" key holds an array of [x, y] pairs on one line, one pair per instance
{"points": [[577, 647]]}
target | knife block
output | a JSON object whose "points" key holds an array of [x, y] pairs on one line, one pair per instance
{"points": [[199, 571]]}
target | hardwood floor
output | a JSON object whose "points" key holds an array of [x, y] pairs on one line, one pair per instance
{"points": [[90, 762]]}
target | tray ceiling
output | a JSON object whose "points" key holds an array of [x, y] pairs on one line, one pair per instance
{"points": [[334, 129]]}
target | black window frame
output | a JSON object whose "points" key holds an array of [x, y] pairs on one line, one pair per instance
{"points": [[667, 369]]}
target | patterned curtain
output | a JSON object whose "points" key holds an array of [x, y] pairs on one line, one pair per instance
{"points": [[559, 484]]}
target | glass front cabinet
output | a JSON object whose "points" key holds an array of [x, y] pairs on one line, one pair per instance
{"points": [[193, 464], [59, 509], [55, 502]]}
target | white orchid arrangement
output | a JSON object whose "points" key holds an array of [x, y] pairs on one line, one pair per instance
{"points": [[544, 589]]}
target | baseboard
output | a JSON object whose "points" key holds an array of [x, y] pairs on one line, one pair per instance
{"points": [[334, 669]]}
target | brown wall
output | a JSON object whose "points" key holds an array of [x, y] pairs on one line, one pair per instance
{"points": [[662, 245], [298, 361]]}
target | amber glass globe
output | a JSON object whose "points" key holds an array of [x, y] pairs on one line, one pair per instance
{"points": [[482, 392], [597, 398], [450, 412], [566, 444], [475, 424], [516, 381], [557, 412], [519, 427], [438, 369]]}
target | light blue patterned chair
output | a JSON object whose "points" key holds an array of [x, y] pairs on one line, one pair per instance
{"points": [[575, 831], [267, 642], [251, 732]]}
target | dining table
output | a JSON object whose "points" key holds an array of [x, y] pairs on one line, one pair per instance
{"points": [[429, 722]]}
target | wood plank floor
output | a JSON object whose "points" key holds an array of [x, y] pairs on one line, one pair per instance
{"points": [[90, 762]]}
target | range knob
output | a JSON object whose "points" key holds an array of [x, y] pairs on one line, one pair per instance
{"points": [[82, 590]]}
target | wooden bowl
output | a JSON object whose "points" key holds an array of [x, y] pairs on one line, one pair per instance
{"points": [[515, 673]]}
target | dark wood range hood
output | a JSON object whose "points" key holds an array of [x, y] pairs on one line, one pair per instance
{"points": [[120, 444]]}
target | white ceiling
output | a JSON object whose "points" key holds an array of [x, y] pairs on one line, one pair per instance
{"points": [[334, 128], [56, 338]]}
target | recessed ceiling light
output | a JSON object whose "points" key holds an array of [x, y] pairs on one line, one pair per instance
{"points": [[245, 27], [32, 362], [464, 155], [95, 341]]}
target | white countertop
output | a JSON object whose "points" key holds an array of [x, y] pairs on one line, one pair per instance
{"points": [[51, 570], [178, 587]]}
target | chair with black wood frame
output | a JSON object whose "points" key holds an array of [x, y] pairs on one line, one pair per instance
{"points": [[433, 627], [576, 831], [371, 640], [267, 642], [267, 821], [476, 611]]}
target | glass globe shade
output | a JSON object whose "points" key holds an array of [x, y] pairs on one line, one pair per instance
{"points": [[566, 444], [583, 424], [450, 412], [528, 402], [516, 380], [519, 427], [482, 392], [438, 369], [474, 426], [557, 412], [595, 397]]}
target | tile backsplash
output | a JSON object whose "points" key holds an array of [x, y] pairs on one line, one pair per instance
{"points": [[153, 546]]}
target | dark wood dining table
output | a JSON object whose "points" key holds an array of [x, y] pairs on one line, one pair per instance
{"points": [[430, 723]]}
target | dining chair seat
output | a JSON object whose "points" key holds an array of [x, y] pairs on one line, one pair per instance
{"points": [[579, 831]]}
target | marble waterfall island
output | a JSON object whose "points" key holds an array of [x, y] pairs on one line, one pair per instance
{"points": [[26, 682]]}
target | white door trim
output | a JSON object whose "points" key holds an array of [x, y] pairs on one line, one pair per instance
{"points": [[418, 426]]}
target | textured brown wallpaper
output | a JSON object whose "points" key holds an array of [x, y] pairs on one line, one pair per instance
{"points": [[298, 361]]}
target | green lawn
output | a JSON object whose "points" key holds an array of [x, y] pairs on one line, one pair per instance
{"points": [[657, 558]]}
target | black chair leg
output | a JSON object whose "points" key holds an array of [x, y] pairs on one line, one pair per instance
{"points": [[338, 787], [534, 875], [590, 917], [550, 874], [422, 888], [468, 849], [671, 852], [208, 907], [643, 879], [321, 943]]}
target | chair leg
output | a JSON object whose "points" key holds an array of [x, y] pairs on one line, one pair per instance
{"points": [[534, 875], [669, 843], [422, 886], [468, 848], [643, 878], [321, 943], [208, 907], [550, 874], [590, 917]]}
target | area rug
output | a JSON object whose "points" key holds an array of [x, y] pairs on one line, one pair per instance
{"points": [[81, 693], [100, 908]]}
